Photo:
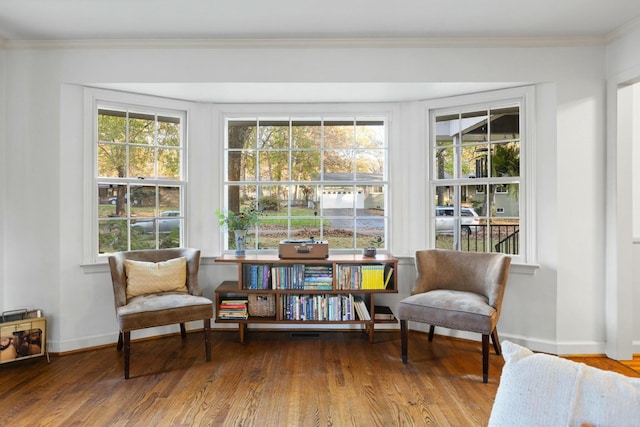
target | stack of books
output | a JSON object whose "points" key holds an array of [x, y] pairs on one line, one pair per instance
{"points": [[382, 312], [233, 309], [318, 277]]}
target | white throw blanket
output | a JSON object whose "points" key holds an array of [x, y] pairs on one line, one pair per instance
{"points": [[543, 390]]}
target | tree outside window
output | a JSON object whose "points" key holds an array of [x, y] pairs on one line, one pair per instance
{"points": [[310, 177], [139, 178]]}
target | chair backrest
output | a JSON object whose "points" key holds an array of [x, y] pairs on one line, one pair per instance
{"points": [[119, 276], [482, 273]]}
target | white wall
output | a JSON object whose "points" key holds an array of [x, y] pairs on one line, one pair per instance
{"points": [[559, 308], [635, 283], [635, 159], [622, 289], [3, 178]]}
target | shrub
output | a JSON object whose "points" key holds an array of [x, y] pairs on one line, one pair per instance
{"points": [[269, 203]]}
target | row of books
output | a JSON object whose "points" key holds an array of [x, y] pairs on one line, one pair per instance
{"points": [[256, 276], [358, 276], [290, 276], [233, 309], [316, 276], [311, 307], [320, 307]]}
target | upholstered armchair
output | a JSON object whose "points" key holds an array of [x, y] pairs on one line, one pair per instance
{"points": [[457, 290], [156, 288]]}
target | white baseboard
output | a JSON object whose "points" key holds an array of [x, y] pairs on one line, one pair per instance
{"points": [[535, 344], [65, 346]]}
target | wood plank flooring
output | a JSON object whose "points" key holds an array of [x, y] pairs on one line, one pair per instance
{"points": [[634, 363], [273, 379]]}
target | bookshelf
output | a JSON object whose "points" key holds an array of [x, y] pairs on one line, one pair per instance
{"points": [[340, 289]]}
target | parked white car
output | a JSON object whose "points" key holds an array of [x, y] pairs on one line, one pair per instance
{"points": [[445, 219], [166, 223]]}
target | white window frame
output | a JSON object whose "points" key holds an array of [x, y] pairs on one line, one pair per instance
{"points": [[525, 96], [302, 111], [93, 98]]}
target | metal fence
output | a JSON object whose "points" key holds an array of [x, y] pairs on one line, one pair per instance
{"points": [[504, 239]]}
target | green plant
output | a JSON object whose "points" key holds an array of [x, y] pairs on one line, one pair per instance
{"points": [[377, 241], [243, 220]]}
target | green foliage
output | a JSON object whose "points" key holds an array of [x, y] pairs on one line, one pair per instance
{"points": [[171, 239], [112, 236], [113, 129], [243, 220], [377, 241], [506, 160], [269, 203]]}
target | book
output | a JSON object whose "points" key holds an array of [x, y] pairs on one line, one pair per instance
{"points": [[359, 310], [363, 312], [382, 312], [389, 273]]}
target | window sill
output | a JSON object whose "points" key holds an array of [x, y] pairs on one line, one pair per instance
{"points": [[103, 267], [529, 269]]}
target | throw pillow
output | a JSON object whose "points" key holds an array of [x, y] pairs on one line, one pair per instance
{"points": [[151, 277]]}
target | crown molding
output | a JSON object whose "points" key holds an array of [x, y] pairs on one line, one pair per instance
{"points": [[309, 43], [623, 30]]}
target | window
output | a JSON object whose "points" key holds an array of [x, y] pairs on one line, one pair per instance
{"points": [[139, 178], [476, 177], [309, 177]]}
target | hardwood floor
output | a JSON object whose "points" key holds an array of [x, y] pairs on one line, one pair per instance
{"points": [[629, 368], [273, 379], [633, 363]]}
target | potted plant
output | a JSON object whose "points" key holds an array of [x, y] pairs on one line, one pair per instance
{"points": [[239, 223], [374, 243]]}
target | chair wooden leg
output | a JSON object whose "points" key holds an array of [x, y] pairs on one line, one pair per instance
{"points": [[183, 331], [127, 352], [404, 337], [432, 330], [485, 358], [207, 338], [119, 346], [496, 342]]}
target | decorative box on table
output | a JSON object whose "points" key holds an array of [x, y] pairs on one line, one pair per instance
{"points": [[303, 249]]}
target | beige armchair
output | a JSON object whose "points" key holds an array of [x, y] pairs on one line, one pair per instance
{"points": [[457, 290], [156, 288]]}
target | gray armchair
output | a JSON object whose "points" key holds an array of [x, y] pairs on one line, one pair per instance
{"points": [[457, 290], [152, 305]]}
